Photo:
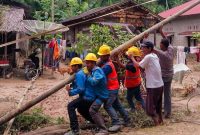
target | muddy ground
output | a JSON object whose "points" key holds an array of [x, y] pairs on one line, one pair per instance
{"points": [[181, 123]]}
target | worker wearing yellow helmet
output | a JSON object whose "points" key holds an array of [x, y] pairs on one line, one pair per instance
{"points": [[83, 102], [96, 82], [132, 78], [113, 86], [134, 51]]}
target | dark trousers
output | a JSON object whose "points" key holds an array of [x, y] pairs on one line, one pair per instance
{"points": [[134, 92], [154, 102], [167, 94], [96, 116], [112, 105], [82, 107]]}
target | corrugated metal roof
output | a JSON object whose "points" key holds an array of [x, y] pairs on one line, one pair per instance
{"points": [[195, 10]]}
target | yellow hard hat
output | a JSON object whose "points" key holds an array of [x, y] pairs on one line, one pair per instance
{"points": [[104, 50], [91, 57], [134, 51], [76, 61]]}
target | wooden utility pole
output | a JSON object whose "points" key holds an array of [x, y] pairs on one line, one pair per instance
{"points": [[52, 10], [6, 48], [117, 50]]}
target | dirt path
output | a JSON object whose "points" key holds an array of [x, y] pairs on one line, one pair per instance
{"points": [[176, 125], [13, 89]]}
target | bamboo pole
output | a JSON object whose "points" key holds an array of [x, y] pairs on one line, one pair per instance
{"points": [[120, 48], [52, 10]]}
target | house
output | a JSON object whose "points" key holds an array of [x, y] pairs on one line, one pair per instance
{"points": [[11, 28], [128, 14], [180, 30]]}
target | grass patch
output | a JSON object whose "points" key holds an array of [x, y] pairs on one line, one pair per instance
{"points": [[60, 120], [28, 121], [31, 121], [141, 120]]}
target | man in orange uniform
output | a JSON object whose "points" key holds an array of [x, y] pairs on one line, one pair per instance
{"points": [[133, 79], [113, 104]]}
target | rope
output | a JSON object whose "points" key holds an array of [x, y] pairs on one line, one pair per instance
{"points": [[189, 101], [64, 27], [189, 121]]}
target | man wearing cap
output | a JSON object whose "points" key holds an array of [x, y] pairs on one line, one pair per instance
{"points": [[154, 83], [113, 104], [96, 80], [83, 102]]}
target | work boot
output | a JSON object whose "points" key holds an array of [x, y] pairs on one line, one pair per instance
{"points": [[114, 128], [87, 125], [75, 132], [102, 132]]}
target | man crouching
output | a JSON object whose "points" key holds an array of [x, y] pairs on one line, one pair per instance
{"points": [[96, 80], [83, 102]]}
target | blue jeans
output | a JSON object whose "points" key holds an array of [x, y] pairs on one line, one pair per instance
{"points": [[112, 105], [137, 94], [96, 116]]}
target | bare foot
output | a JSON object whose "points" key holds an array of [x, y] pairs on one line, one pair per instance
{"points": [[155, 120]]}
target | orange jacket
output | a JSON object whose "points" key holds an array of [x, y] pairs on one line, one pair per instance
{"points": [[112, 78], [132, 79]]}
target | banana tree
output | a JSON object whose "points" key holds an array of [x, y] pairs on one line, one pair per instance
{"points": [[196, 35]]}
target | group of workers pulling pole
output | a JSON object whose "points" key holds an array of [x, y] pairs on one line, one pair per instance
{"points": [[97, 85]]}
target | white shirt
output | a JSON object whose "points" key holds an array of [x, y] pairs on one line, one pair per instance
{"points": [[152, 68]]}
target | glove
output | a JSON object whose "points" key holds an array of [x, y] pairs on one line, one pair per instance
{"points": [[85, 70]]}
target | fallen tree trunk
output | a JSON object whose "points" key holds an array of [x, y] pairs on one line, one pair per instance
{"points": [[117, 50]]}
